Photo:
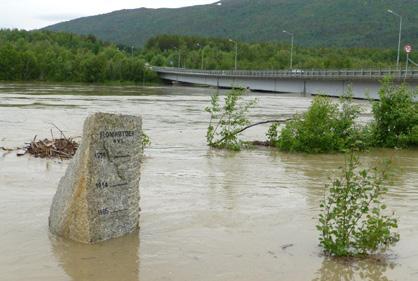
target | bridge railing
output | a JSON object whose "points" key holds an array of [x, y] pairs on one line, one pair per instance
{"points": [[368, 74]]}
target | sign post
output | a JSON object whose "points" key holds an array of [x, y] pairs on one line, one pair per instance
{"points": [[408, 50]]}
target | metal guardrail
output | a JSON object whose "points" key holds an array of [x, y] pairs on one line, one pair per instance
{"points": [[349, 74]]}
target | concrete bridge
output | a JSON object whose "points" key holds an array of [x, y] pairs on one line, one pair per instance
{"points": [[363, 83]]}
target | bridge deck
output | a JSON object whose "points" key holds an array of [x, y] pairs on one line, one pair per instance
{"points": [[362, 74], [362, 84]]}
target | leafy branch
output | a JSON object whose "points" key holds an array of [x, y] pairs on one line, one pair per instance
{"points": [[352, 222], [228, 120]]}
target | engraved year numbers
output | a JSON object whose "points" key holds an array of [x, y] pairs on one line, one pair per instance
{"points": [[100, 155], [103, 212], [102, 184]]}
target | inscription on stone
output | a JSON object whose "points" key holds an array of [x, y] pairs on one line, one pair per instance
{"points": [[98, 198]]}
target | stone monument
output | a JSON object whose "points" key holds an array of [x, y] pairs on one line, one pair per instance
{"points": [[98, 198]]}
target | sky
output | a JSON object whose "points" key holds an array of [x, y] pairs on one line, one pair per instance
{"points": [[33, 14]]}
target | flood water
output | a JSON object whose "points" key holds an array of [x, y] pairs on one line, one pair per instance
{"points": [[206, 214]]}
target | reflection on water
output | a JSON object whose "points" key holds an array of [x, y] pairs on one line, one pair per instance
{"points": [[222, 180], [402, 167], [340, 269], [114, 260], [205, 214]]}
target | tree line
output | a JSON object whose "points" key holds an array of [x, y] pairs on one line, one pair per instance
{"points": [[214, 53], [61, 57], [58, 56]]}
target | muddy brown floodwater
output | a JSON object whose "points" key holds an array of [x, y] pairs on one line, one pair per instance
{"points": [[206, 214]]}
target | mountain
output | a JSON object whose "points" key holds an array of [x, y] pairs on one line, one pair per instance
{"points": [[315, 23]]}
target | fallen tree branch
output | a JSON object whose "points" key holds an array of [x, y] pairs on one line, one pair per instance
{"points": [[250, 126]]}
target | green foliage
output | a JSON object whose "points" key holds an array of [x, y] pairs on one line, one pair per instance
{"points": [[228, 120], [273, 134], [218, 53], [146, 141], [329, 127], [51, 56], [325, 127], [352, 222], [396, 117]]}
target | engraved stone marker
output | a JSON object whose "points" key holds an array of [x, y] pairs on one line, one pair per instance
{"points": [[98, 198]]}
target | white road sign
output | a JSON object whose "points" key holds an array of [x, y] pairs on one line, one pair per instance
{"points": [[408, 48]]}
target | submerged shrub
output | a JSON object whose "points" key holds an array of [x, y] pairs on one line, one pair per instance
{"points": [[273, 134], [228, 120], [351, 222], [396, 117], [325, 127]]}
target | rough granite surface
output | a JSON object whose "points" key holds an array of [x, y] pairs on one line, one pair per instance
{"points": [[98, 198]]}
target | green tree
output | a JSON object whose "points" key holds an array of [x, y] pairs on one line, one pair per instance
{"points": [[227, 120], [352, 220], [323, 128], [395, 116]]}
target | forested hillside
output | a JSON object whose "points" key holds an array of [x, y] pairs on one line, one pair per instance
{"points": [[323, 23]]}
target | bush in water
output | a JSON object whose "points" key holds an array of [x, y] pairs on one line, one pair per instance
{"points": [[352, 222], [325, 127], [227, 120], [395, 117]]}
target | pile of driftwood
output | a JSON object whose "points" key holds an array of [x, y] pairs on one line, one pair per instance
{"points": [[63, 148]]}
